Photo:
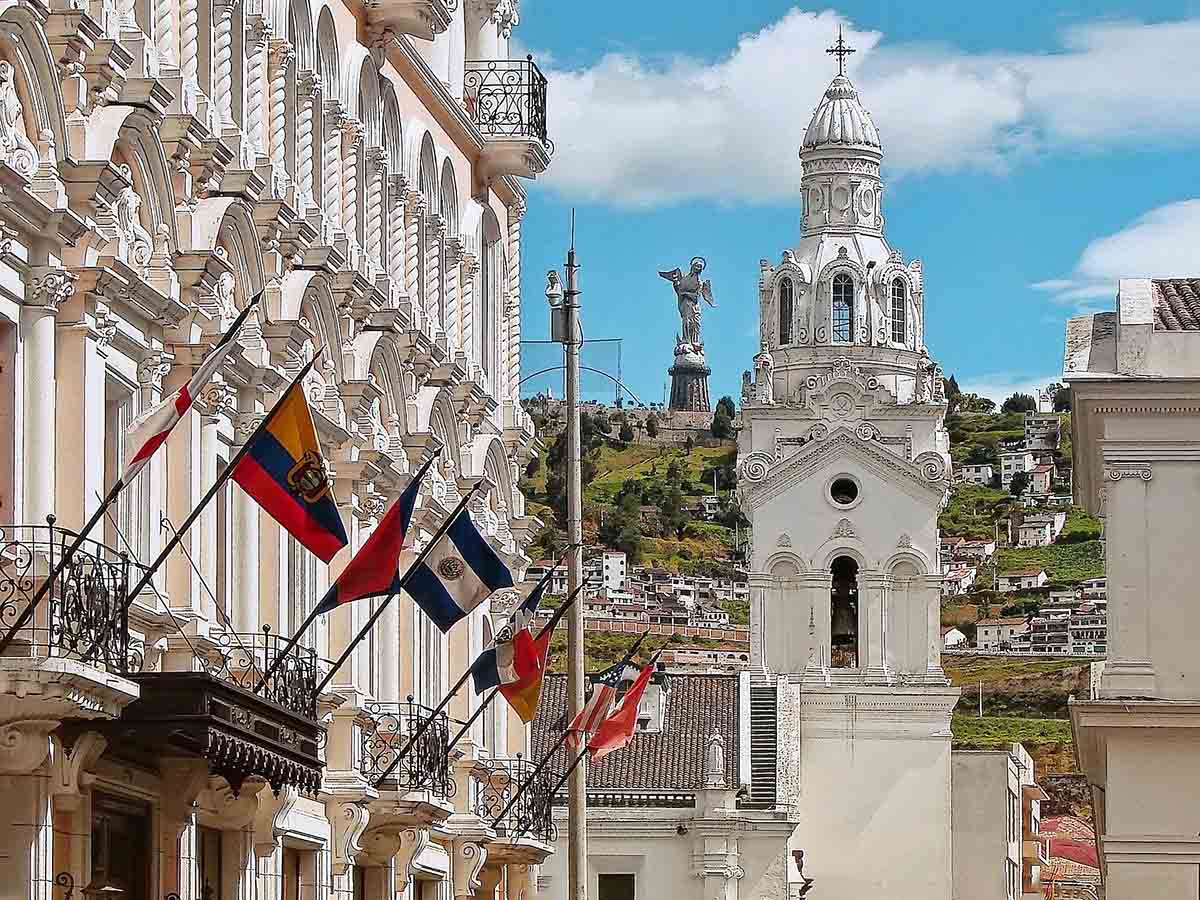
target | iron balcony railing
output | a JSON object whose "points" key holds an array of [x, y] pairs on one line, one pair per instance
{"points": [[426, 766], [243, 657], [507, 98], [82, 616], [497, 782]]}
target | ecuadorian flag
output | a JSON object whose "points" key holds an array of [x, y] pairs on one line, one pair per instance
{"points": [[283, 470]]}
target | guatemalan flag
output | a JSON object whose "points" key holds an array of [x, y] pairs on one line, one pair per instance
{"points": [[517, 662], [149, 431], [458, 574], [375, 569]]}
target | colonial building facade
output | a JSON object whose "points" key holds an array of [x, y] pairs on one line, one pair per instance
{"points": [[162, 163], [844, 466]]}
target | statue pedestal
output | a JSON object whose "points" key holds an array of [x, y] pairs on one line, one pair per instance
{"points": [[689, 383]]}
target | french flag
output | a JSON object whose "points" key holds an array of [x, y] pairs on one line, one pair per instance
{"points": [[458, 574], [150, 430]]}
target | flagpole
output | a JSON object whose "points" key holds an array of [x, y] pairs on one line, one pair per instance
{"points": [[424, 554], [550, 797], [542, 763], [225, 475], [549, 626], [422, 728]]}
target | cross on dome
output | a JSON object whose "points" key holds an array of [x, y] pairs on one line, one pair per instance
{"points": [[841, 50]]}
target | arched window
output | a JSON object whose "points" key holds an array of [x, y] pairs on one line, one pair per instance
{"points": [[843, 309], [899, 312], [786, 304]]}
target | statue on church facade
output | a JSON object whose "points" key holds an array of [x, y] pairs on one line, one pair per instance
{"points": [[689, 289]]}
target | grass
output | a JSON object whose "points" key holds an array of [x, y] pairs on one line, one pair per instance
{"points": [[973, 511], [970, 670], [1079, 527], [997, 732], [1064, 563]]}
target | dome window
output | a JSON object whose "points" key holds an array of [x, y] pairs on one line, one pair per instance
{"points": [[899, 312], [843, 309], [786, 311]]}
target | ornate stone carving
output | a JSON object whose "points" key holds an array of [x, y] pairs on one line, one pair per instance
{"points": [[867, 432], [15, 147], [24, 745], [1118, 471], [270, 817], [49, 287], [755, 466], [932, 466], [842, 370], [714, 762], [904, 543], [152, 369], [784, 540], [469, 858], [844, 529], [68, 770], [764, 374], [349, 821], [134, 243]]}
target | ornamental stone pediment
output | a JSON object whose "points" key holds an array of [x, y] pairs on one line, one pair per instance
{"points": [[762, 477], [845, 392]]}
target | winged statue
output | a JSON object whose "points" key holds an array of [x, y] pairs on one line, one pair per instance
{"points": [[689, 289]]}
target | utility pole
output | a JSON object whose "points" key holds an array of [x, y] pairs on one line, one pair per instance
{"points": [[565, 328]]}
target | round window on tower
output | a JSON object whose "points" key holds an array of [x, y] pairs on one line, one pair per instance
{"points": [[844, 492]]}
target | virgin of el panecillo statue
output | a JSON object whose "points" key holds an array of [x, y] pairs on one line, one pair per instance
{"points": [[689, 289]]}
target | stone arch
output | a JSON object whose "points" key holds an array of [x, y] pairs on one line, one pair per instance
{"points": [[427, 175], [36, 80], [823, 300], [442, 424], [238, 239], [363, 81], [910, 557], [851, 547], [385, 364], [782, 560], [328, 66], [393, 133], [300, 33], [448, 203]]}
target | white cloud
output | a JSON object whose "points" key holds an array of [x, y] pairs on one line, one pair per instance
{"points": [[1160, 244], [999, 386], [639, 132]]}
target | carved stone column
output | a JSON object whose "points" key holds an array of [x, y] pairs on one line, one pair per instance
{"points": [[189, 50], [1129, 671], [222, 51], [397, 191], [257, 34], [46, 289], [455, 250], [434, 305], [373, 230], [414, 209], [246, 535], [512, 302], [470, 268], [26, 819], [308, 96], [331, 165], [933, 628], [148, 489], [164, 32], [352, 137], [873, 590], [281, 58]]}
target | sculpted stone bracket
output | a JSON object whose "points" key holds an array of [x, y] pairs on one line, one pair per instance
{"points": [[469, 859], [349, 820], [71, 761]]}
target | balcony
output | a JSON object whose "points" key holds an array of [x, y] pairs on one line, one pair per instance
{"points": [[525, 832], [506, 99], [242, 657], [417, 790]]}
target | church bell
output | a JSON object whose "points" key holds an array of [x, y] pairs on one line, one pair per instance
{"points": [[843, 627]]}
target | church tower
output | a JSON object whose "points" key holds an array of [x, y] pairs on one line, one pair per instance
{"points": [[844, 466]]}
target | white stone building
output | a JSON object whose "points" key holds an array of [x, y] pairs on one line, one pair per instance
{"points": [[998, 634], [1135, 388], [998, 849], [615, 574], [958, 580], [1012, 462], [1041, 480], [844, 466], [981, 474], [161, 163], [1022, 580], [1043, 430], [1035, 532]]}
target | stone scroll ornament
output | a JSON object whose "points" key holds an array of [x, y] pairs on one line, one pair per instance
{"points": [[689, 289], [15, 147], [932, 466]]}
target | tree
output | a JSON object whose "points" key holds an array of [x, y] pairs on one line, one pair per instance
{"points": [[534, 466], [726, 403], [625, 435], [652, 426], [621, 528], [982, 455], [1019, 403], [953, 393], [1020, 481], [673, 515], [1062, 399]]}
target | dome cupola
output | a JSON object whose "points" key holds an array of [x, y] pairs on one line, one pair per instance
{"points": [[840, 121]]}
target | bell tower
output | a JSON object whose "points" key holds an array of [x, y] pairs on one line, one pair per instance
{"points": [[844, 467]]}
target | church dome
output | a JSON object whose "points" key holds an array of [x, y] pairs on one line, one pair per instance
{"points": [[840, 119]]}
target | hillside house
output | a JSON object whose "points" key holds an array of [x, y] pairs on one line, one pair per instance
{"points": [[1094, 589], [948, 550], [558, 583], [952, 638], [1035, 532], [997, 634], [1041, 480], [976, 551], [982, 473], [1022, 580], [1012, 462], [1043, 431], [958, 580], [614, 573]]}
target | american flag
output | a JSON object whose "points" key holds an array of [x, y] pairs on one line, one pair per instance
{"points": [[605, 688]]}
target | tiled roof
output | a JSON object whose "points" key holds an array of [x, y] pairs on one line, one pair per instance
{"points": [[1176, 304], [1007, 620], [670, 760]]}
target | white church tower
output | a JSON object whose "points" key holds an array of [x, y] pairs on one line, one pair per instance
{"points": [[844, 465]]}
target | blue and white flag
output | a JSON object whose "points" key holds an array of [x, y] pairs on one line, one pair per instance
{"points": [[459, 573]]}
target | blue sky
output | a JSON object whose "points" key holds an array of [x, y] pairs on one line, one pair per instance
{"points": [[1034, 153]]}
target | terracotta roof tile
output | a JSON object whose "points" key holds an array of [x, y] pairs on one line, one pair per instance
{"points": [[670, 760], [1177, 304]]}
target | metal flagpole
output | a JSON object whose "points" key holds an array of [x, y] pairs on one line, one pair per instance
{"points": [[421, 557], [574, 767], [542, 763], [225, 475], [577, 802]]}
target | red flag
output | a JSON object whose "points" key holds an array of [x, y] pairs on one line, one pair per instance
{"points": [[617, 730], [529, 663]]}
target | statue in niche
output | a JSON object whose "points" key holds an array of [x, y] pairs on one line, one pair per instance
{"points": [[926, 372], [15, 147], [224, 293], [764, 374], [689, 289], [135, 244], [714, 762]]}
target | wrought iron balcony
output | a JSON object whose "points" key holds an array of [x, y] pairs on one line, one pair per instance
{"points": [[82, 616], [244, 656], [425, 767], [531, 816], [506, 99]]}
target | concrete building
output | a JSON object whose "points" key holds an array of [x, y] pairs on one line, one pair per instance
{"points": [[162, 164], [998, 849], [982, 474], [1035, 532], [952, 638], [1135, 386], [615, 574], [1043, 430], [1041, 480], [998, 634], [1022, 580], [958, 580], [1012, 462], [843, 467]]}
